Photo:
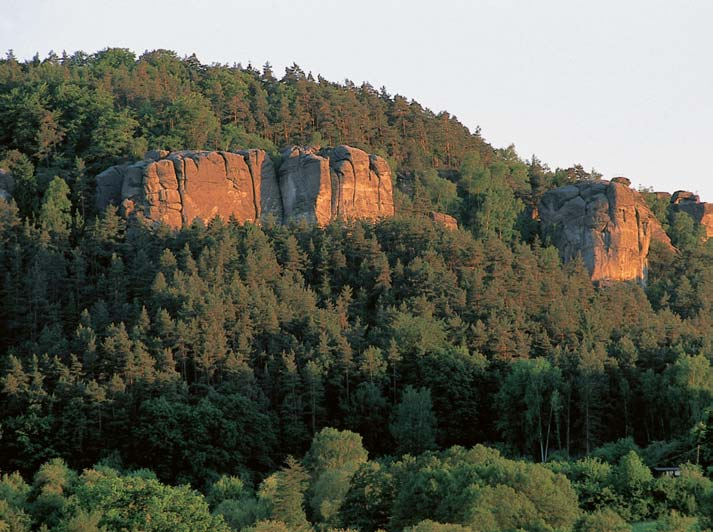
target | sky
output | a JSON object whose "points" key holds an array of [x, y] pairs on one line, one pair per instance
{"points": [[622, 86]]}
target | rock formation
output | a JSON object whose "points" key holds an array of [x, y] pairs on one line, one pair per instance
{"points": [[175, 188], [178, 187], [445, 220], [702, 213], [607, 223], [343, 182]]}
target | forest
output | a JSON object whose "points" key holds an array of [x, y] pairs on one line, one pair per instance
{"points": [[389, 375]]}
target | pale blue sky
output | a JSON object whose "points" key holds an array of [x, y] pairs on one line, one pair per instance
{"points": [[622, 86]]}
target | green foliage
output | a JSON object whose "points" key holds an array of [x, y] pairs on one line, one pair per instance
{"points": [[432, 526], [135, 502], [283, 494], [602, 521], [215, 350], [26, 187], [632, 479], [675, 522], [482, 490], [332, 460], [533, 387], [413, 426], [55, 213]]}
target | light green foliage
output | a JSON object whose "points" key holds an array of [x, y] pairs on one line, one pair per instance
{"points": [[491, 206], [138, 502], [334, 449], [441, 192], [13, 518], [332, 460], [685, 234], [692, 390], [480, 489], [283, 495], [51, 485], [85, 521], [632, 479], [227, 487], [269, 526], [432, 526], [14, 489], [55, 213], [413, 426], [592, 480], [686, 494], [675, 522], [602, 521]]}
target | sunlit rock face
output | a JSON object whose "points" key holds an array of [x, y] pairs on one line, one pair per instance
{"points": [[343, 182], [316, 186], [176, 188], [607, 223]]}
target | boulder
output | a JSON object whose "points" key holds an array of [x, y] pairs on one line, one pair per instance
{"points": [[341, 182], [446, 220], [683, 196], [108, 186], [156, 155], [622, 181], [607, 223]]}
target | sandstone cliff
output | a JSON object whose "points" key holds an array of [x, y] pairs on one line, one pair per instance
{"points": [[702, 213], [176, 188], [343, 182], [607, 223]]}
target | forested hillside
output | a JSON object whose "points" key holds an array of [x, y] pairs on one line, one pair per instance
{"points": [[339, 377]]}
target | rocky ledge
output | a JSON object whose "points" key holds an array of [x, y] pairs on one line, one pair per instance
{"points": [[316, 186]]}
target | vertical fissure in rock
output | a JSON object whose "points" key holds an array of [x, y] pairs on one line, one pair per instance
{"points": [[338, 192], [355, 182], [227, 169], [182, 191], [378, 184], [246, 157]]}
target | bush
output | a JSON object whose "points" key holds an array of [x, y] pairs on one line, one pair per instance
{"points": [[602, 521]]}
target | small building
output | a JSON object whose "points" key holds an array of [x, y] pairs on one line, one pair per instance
{"points": [[666, 472]]}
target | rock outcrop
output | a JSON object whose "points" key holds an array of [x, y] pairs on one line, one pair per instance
{"points": [[607, 223], [446, 220], [6, 185], [176, 188], [344, 182], [701, 212]]}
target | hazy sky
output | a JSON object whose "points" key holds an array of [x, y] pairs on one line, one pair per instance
{"points": [[623, 86]]}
